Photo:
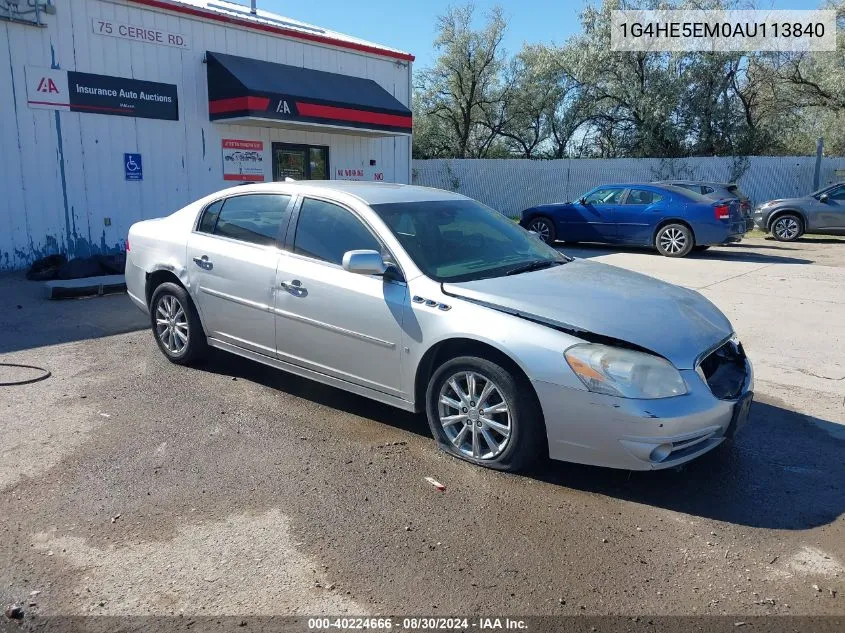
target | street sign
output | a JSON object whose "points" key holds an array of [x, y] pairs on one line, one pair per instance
{"points": [[132, 167]]}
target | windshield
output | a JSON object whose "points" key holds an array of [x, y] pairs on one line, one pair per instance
{"points": [[462, 240]]}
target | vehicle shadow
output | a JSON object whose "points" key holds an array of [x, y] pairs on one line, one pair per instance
{"points": [[811, 239], [226, 364], [784, 471], [731, 253]]}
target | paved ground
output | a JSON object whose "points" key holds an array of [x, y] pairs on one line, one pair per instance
{"points": [[132, 486]]}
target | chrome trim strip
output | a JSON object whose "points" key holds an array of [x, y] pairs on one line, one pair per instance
{"points": [[242, 342], [313, 375], [244, 302], [333, 328]]}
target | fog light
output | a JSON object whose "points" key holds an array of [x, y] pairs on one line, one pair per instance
{"points": [[659, 453]]}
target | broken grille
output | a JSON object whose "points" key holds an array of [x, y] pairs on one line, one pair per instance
{"points": [[725, 370]]}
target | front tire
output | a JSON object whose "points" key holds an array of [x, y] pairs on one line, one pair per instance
{"points": [[480, 412], [788, 227], [545, 228], [176, 325], [674, 240]]}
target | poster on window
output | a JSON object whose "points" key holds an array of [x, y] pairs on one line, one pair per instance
{"points": [[243, 160]]}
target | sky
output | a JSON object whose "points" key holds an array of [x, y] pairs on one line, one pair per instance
{"points": [[409, 25]]}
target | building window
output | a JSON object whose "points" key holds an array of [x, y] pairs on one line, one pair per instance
{"points": [[300, 162]]}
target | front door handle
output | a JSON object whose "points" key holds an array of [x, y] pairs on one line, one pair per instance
{"points": [[294, 285], [203, 262]]}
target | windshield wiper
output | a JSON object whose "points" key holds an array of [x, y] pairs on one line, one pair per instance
{"points": [[535, 265]]}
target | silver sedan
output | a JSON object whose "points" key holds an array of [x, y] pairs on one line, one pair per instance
{"points": [[429, 301]]}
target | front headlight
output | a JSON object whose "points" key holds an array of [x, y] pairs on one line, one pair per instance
{"points": [[621, 372]]}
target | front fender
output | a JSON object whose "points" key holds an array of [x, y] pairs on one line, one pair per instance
{"points": [[777, 212], [537, 349]]}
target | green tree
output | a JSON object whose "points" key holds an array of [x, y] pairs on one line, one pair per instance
{"points": [[462, 87]]}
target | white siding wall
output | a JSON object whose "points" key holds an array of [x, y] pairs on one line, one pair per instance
{"points": [[61, 173]]}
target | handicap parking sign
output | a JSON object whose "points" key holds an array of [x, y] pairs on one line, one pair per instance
{"points": [[132, 168]]}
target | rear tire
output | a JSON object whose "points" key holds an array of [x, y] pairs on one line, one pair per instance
{"points": [[674, 240], [545, 228], [481, 412], [787, 227], [176, 325]]}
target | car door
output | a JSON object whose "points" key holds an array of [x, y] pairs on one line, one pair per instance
{"points": [[637, 216], [232, 259], [595, 216], [329, 320], [830, 214]]}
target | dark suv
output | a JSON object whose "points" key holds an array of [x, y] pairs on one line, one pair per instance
{"points": [[719, 191], [788, 219]]}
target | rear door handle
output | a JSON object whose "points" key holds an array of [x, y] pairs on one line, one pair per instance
{"points": [[203, 262]]}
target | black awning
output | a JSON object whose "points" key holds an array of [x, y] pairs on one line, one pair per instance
{"points": [[242, 88]]}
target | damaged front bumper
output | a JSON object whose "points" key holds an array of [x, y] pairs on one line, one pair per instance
{"points": [[601, 430]]}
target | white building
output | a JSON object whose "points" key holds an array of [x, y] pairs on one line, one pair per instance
{"points": [[120, 110]]}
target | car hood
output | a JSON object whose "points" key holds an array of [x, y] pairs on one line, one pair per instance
{"points": [[671, 321], [787, 201]]}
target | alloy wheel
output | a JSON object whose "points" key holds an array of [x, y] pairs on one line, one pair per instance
{"points": [[474, 415], [787, 228], [172, 324], [541, 229], [673, 240]]}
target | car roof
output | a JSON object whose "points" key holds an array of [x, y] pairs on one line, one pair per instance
{"points": [[629, 185], [367, 192], [696, 182]]}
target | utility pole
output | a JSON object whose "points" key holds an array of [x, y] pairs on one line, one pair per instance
{"points": [[818, 169]]}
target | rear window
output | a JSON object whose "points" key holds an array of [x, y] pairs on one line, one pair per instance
{"points": [[254, 218], [686, 193]]}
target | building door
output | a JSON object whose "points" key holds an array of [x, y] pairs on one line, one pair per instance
{"points": [[300, 162]]}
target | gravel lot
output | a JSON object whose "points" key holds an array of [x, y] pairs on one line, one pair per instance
{"points": [[131, 486]]}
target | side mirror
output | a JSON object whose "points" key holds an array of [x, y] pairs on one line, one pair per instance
{"points": [[582, 200], [364, 262], [824, 197]]}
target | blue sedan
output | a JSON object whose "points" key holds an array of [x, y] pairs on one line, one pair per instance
{"points": [[673, 220]]}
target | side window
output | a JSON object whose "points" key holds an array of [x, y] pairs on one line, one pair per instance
{"points": [[209, 217], [326, 231], [642, 196], [837, 193], [705, 189], [605, 196], [254, 218]]}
